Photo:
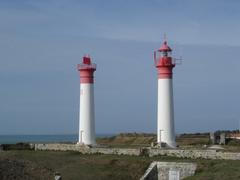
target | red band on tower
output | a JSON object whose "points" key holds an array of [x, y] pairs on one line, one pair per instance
{"points": [[86, 69], [165, 67]]}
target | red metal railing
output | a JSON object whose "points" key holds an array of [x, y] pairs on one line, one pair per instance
{"points": [[177, 61]]}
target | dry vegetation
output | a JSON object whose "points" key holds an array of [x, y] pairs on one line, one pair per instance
{"points": [[142, 139], [197, 140], [128, 140], [193, 139]]}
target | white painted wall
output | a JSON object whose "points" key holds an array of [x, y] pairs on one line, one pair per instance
{"points": [[165, 129], [87, 115]]}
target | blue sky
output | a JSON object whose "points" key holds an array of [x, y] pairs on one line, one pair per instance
{"points": [[42, 41]]}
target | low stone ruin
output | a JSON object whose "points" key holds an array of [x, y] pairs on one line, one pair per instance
{"points": [[169, 171]]}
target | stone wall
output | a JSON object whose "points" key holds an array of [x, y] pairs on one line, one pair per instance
{"points": [[195, 154], [87, 150], [181, 153], [164, 170]]}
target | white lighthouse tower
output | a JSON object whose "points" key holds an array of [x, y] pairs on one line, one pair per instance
{"points": [[165, 111], [86, 114]]}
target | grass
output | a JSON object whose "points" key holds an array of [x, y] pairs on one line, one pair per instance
{"points": [[73, 165], [217, 170]]}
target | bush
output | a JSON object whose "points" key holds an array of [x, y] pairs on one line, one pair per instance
{"points": [[234, 142], [18, 146]]}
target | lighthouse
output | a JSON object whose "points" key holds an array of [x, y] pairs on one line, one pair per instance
{"points": [[86, 111], [165, 110]]}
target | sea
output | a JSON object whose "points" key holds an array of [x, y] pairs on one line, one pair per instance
{"points": [[69, 138]]}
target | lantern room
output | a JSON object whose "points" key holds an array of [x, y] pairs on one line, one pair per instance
{"points": [[162, 57]]}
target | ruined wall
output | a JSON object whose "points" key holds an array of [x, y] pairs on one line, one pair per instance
{"points": [[87, 150]]}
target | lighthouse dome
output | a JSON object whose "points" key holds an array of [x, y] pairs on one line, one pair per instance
{"points": [[165, 47]]}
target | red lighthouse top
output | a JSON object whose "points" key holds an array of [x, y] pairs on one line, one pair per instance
{"points": [[86, 64], [86, 69], [163, 61], [165, 47]]}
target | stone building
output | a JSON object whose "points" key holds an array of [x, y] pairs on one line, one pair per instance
{"points": [[218, 138]]}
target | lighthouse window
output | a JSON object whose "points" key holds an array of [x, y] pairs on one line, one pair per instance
{"points": [[164, 53]]}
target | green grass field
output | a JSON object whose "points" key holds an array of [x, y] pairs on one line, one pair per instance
{"points": [[73, 165]]}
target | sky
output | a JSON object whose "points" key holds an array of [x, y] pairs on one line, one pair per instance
{"points": [[41, 42]]}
